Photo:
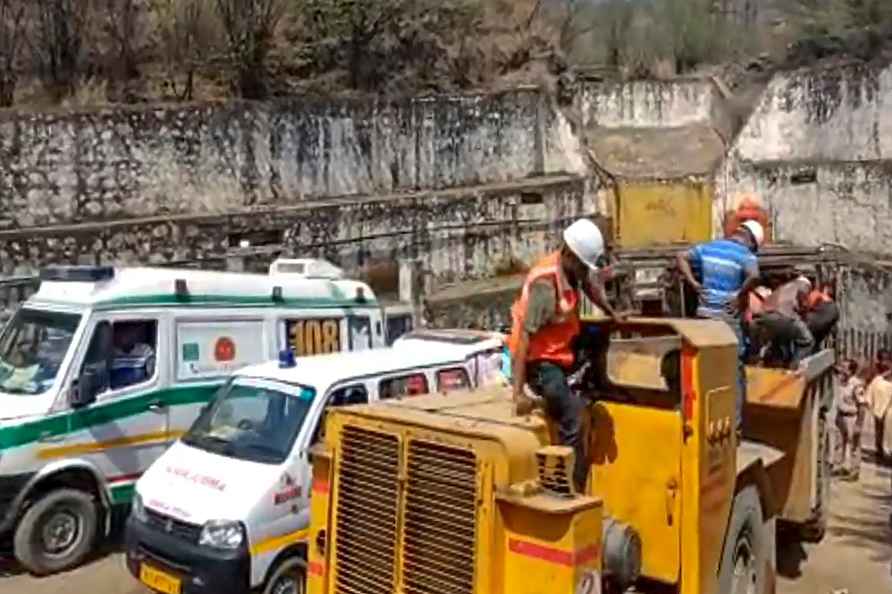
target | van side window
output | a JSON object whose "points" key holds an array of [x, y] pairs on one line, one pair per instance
{"points": [[453, 379], [345, 396], [406, 385], [122, 354], [348, 395]]}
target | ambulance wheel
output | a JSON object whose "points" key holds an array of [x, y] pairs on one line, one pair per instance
{"points": [[290, 577], [747, 554], [57, 532]]}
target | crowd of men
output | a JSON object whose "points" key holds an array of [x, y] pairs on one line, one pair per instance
{"points": [[864, 398]]}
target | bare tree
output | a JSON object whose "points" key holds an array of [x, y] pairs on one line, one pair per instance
{"points": [[249, 26], [358, 24], [58, 42], [12, 34], [124, 27], [189, 35]]}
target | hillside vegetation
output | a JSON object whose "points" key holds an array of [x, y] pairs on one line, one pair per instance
{"points": [[75, 52]]}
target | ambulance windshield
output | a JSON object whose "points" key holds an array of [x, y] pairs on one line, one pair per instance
{"points": [[252, 419], [32, 348]]}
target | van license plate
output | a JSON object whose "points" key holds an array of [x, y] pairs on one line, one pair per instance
{"points": [[158, 581]]}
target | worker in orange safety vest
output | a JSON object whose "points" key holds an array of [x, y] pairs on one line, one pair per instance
{"points": [[546, 328]]}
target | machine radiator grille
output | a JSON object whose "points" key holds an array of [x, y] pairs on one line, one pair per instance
{"points": [[440, 520], [367, 512]]}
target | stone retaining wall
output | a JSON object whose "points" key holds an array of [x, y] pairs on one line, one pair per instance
{"points": [[216, 158]]}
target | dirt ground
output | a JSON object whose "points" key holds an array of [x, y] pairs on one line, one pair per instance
{"points": [[855, 555]]}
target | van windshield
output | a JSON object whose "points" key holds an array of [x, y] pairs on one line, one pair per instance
{"points": [[252, 419], [32, 348]]}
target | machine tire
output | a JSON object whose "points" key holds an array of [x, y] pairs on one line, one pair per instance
{"points": [[748, 552], [289, 577], [814, 528], [50, 517]]}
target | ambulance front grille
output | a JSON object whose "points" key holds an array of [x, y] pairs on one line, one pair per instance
{"points": [[367, 512], [439, 532]]}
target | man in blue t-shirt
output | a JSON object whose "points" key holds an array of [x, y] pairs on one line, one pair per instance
{"points": [[728, 270]]}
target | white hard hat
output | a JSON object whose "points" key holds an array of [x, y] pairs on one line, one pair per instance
{"points": [[802, 279], [755, 230], [585, 240]]}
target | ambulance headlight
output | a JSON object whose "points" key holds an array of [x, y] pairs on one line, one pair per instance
{"points": [[222, 534], [138, 510]]}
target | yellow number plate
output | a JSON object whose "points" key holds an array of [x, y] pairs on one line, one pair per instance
{"points": [[158, 580]]}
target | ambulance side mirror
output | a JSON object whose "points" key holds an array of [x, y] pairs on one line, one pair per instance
{"points": [[84, 392]]}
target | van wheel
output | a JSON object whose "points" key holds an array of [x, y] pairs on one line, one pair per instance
{"points": [[57, 532], [814, 528], [747, 556], [290, 577]]}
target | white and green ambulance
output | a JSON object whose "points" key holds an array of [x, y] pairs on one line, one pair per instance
{"points": [[103, 369]]}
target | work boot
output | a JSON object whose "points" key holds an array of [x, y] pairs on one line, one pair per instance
{"points": [[851, 476], [838, 471]]}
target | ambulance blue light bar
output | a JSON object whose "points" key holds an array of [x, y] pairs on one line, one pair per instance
{"points": [[287, 359], [77, 274]]}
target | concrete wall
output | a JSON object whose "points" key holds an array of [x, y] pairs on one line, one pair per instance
{"points": [[113, 165], [866, 311], [456, 235], [647, 104], [818, 149]]}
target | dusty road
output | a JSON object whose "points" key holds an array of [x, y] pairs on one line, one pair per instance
{"points": [[855, 555]]}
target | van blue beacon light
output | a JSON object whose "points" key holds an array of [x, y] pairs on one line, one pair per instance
{"points": [[286, 359]]}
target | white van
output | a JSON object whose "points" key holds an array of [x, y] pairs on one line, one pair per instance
{"points": [[225, 510], [102, 369]]}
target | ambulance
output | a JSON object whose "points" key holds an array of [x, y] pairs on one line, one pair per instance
{"points": [[103, 369], [225, 510]]}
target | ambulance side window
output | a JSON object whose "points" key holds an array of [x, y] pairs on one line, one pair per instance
{"points": [[122, 354], [134, 352], [406, 385], [344, 396]]}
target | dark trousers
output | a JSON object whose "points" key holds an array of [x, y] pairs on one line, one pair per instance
{"points": [[879, 429], [821, 322], [787, 334], [566, 408]]}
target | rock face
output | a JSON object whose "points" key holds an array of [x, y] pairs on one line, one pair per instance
{"points": [[110, 165]]}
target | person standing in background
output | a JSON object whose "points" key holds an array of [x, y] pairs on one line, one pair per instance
{"points": [[879, 401], [850, 411]]}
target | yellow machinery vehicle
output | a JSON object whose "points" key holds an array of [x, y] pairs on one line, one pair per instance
{"points": [[456, 495]]}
